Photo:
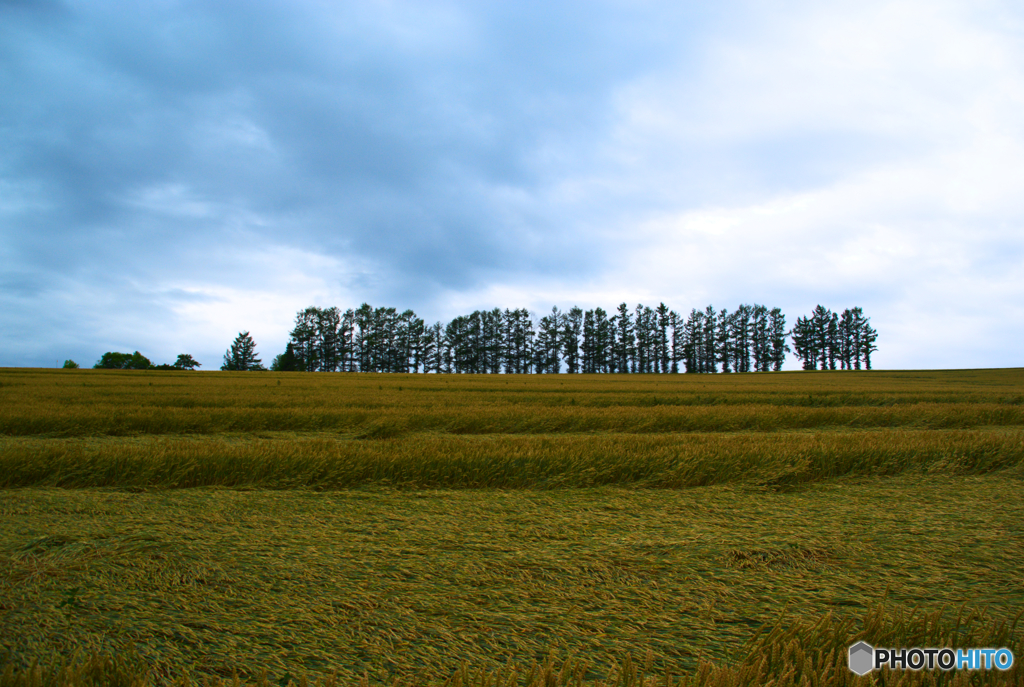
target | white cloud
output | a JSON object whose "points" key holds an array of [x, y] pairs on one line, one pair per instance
{"points": [[920, 223], [922, 227]]}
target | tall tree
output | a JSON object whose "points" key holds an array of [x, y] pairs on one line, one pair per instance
{"points": [[742, 327], [709, 360], [691, 337], [604, 342], [624, 350], [456, 336], [328, 339], [548, 344], [362, 338], [662, 350], [760, 338], [642, 340], [303, 341], [676, 324], [519, 345], [819, 327], [804, 342], [777, 335], [868, 336], [588, 347], [492, 341], [242, 354], [572, 330], [846, 334], [413, 331], [832, 337], [723, 340]]}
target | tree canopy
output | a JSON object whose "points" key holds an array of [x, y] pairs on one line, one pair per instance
{"points": [[123, 361], [186, 362]]}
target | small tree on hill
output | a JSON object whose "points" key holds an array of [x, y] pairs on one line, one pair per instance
{"points": [[242, 354], [112, 360], [70, 365], [123, 361], [186, 362]]}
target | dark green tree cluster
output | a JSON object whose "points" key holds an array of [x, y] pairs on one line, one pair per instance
{"points": [[136, 361], [752, 338], [825, 339], [368, 339], [641, 340]]}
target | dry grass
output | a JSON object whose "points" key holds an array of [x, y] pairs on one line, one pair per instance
{"points": [[395, 526], [409, 583], [324, 461], [787, 653], [280, 430], [119, 403]]}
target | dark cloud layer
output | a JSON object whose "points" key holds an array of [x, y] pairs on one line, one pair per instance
{"points": [[416, 136], [384, 131]]}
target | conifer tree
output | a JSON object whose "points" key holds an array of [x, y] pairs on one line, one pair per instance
{"points": [[303, 341], [760, 339], [604, 342], [433, 348], [868, 337], [662, 352], [691, 341], [242, 354], [676, 325], [709, 361], [819, 324], [777, 334], [832, 337], [327, 322], [547, 347], [803, 342], [491, 341], [739, 327], [346, 344], [588, 347], [642, 341], [723, 340], [572, 330], [624, 339]]}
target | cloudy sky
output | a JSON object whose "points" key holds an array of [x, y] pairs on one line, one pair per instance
{"points": [[174, 172]]}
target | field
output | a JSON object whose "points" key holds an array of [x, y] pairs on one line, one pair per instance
{"points": [[722, 529]]}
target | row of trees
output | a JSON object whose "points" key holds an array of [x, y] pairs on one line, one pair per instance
{"points": [[827, 338], [751, 338], [136, 361], [639, 340]]}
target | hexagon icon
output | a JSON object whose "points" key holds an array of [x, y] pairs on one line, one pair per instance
{"points": [[861, 658]]}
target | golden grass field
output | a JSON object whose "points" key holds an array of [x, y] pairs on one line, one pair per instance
{"points": [[719, 529]]}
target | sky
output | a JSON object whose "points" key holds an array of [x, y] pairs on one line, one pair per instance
{"points": [[173, 173]]}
